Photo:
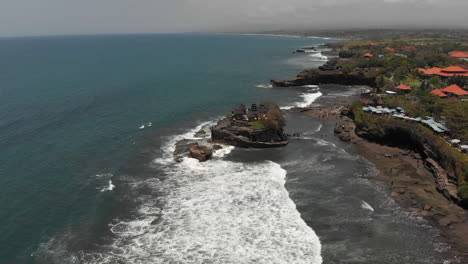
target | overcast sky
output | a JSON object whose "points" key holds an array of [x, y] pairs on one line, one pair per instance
{"points": [[51, 17]]}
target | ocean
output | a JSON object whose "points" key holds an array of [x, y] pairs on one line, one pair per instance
{"points": [[88, 174]]}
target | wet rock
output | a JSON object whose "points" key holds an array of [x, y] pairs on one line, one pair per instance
{"points": [[217, 147], [449, 220], [201, 153], [242, 134], [343, 130], [201, 133]]}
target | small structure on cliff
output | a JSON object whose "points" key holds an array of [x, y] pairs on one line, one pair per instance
{"points": [[261, 126]]}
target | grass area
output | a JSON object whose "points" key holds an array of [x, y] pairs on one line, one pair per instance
{"points": [[257, 125]]}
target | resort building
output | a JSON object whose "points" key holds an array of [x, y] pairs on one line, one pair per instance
{"points": [[439, 93], [446, 72], [454, 91], [459, 55], [402, 89]]}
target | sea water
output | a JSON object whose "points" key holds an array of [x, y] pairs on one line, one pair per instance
{"points": [[85, 178]]}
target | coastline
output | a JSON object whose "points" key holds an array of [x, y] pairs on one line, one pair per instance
{"points": [[409, 183]]}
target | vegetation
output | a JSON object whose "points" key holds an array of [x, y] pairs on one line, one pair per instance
{"points": [[463, 193], [453, 160], [274, 118], [454, 113], [257, 125]]}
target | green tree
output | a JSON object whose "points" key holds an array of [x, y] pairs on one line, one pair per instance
{"points": [[436, 82]]}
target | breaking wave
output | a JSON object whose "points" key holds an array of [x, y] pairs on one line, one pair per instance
{"points": [[318, 56], [213, 212], [308, 99], [266, 86], [366, 206]]}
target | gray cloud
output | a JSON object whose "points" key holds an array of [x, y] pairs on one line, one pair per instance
{"points": [[32, 17]]}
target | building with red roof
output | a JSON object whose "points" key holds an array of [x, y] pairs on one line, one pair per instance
{"points": [[446, 72], [409, 48], [402, 88], [454, 90], [459, 54], [390, 49], [368, 55], [439, 93]]}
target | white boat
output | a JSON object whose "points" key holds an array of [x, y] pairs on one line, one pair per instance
{"points": [[142, 126], [149, 124]]}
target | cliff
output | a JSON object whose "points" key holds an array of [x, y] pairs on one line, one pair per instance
{"points": [[448, 165]]}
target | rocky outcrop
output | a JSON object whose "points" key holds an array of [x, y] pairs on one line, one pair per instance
{"points": [[446, 163], [344, 129], [241, 134], [200, 152], [444, 185], [316, 77]]}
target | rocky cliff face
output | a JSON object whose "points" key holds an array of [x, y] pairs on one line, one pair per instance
{"points": [[316, 77], [241, 135], [447, 165]]}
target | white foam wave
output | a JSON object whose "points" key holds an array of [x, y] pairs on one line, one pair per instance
{"points": [[104, 175], [319, 128], [169, 146], [319, 56], [308, 99], [266, 86], [109, 187], [220, 153], [366, 206], [217, 212]]}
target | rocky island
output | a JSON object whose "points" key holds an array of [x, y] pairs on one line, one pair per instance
{"points": [[257, 127]]}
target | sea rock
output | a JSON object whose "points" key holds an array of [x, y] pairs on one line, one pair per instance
{"points": [[449, 220], [240, 134], [343, 130], [217, 147], [315, 77], [201, 153]]}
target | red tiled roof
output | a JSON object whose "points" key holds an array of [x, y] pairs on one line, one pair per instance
{"points": [[454, 69], [373, 44], [409, 48], [455, 89], [368, 55], [389, 48], [403, 87], [459, 54], [439, 93], [434, 70], [447, 72]]}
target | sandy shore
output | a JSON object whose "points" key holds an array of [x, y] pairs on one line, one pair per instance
{"points": [[410, 183]]}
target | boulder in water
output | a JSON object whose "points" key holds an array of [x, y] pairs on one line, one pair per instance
{"points": [[201, 153]]}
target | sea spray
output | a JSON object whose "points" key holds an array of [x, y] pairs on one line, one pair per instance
{"points": [[308, 99], [218, 211]]}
